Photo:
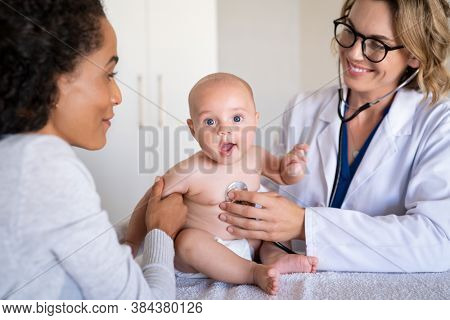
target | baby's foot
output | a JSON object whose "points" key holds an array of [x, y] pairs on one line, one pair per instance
{"points": [[266, 277], [291, 263]]}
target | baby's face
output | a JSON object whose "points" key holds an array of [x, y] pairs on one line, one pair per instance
{"points": [[224, 121]]}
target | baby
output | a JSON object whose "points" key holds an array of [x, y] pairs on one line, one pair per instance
{"points": [[223, 121]]}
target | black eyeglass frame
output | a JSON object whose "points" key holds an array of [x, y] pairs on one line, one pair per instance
{"points": [[387, 48]]}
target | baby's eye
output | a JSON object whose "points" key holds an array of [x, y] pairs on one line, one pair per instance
{"points": [[210, 122], [237, 119]]}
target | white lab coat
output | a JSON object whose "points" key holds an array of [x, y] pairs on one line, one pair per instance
{"points": [[396, 214]]}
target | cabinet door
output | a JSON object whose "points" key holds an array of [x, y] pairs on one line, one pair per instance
{"points": [[164, 47], [115, 167]]}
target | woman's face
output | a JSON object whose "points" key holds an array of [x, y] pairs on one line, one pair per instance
{"points": [[374, 18], [87, 96]]}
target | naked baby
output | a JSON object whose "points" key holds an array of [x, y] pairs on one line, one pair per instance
{"points": [[223, 121]]}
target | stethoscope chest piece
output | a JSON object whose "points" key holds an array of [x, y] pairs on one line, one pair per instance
{"points": [[237, 185]]}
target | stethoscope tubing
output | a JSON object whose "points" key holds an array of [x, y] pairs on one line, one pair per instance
{"points": [[354, 115]]}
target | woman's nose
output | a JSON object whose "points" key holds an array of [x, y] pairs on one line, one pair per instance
{"points": [[116, 97], [355, 52]]}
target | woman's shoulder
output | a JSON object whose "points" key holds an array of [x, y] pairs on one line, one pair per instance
{"points": [[425, 112], [32, 160], [23, 146]]}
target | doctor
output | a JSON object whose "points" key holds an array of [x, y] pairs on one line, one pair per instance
{"points": [[377, 198]]}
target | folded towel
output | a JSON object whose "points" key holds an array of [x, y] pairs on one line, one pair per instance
{"points": [[327, 285]]}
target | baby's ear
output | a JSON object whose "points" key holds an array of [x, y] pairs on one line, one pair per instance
{"points": [[257, 116], [190, 124]]}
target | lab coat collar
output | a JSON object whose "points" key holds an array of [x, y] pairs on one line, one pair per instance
{"points": [[328, 141], [398, 122], [400, 114]]}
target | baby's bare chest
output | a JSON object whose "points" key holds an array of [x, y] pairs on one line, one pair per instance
{"points": [[210, 188]]}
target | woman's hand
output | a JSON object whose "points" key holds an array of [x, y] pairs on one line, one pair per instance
{"points": [[168, 214], [279, 219]]}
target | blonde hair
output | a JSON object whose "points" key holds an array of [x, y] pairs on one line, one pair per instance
{"points": [[422, 27]]}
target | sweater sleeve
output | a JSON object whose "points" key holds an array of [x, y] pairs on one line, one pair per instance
{"points": [[68, 217]]}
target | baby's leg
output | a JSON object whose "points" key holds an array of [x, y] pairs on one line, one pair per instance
{"points": [[284, 262], [198, 251]]}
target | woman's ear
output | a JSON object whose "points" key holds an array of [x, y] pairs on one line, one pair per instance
{"points": [[413, 62], [190, 124]]}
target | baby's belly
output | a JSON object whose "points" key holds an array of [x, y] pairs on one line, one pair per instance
{"points": [[206, 217]]}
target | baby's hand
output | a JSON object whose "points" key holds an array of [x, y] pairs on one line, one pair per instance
{"points": [[293, 164]]}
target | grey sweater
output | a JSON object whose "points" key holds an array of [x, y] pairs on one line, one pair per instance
{"points": [[55, 240]]}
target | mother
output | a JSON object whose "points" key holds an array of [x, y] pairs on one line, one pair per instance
{"points": [[57, 89], [382, 203]]}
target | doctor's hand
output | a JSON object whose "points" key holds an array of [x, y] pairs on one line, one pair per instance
{"points": [[279, 219]]}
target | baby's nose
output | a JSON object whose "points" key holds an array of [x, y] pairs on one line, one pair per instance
{"points": [[223, 130]]}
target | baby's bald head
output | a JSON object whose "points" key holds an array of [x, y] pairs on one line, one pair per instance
{"points": [[217, 80]]}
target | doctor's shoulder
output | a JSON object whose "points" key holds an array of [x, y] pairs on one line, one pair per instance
{"points": [[425, 108]]}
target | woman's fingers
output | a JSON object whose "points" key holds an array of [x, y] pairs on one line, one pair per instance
{"points": [[279, 220], [242, 210], [244, 223], [156, 190], [248, 234], [261, 198]]}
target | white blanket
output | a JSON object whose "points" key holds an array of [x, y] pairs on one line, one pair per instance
{"points": [[327, 285], [322, 285]]}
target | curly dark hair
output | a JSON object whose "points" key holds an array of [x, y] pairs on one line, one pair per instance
{"points": [[39, 41]]}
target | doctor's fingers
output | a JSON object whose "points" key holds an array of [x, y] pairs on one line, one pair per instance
{"points": [[245, 223], [242, 210], [249, 234], [261, 198]]}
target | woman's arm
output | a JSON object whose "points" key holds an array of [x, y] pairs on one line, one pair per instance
{"points": [[346, 240], [83, 241], [175, 181]]}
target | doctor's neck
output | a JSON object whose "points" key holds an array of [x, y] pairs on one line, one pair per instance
{"points": [[357, 99]]}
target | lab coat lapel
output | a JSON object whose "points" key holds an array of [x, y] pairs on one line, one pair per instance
{"points": [[327, 142], [383, 148]]}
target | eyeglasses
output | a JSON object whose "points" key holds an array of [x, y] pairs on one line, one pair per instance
{"points": [[373, 49]]}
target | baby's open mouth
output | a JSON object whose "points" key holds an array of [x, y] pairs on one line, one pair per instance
{"points": [[226, 148]]}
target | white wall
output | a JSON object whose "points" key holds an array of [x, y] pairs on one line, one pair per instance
{"points": [[281, 47], [318, 66], [176, 39], [258, 41]]}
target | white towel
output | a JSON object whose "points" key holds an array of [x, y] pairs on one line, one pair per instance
{"points": [[327, 285]]}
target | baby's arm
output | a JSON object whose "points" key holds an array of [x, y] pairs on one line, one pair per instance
{"points": [[288, 169], [174, 181]]}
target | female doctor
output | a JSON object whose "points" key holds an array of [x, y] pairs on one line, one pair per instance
{"points": [[377, 197]]}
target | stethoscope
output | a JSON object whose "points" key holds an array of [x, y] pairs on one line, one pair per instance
{"points": [[341, 112], [342, 105], [239, 185]]}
